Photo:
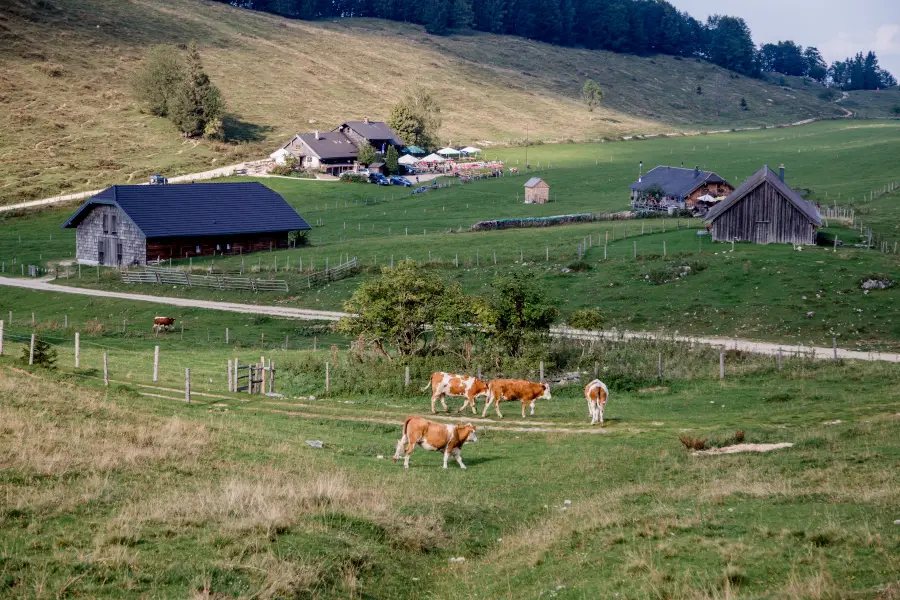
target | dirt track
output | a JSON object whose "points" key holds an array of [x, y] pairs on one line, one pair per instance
{"points": [[307, 314]]}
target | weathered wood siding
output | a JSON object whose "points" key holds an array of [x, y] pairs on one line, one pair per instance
{"points": [[185, 247], [763, 216], [90, 238]]}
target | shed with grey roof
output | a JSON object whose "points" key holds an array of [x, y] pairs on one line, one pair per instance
{"points": [[537, 191], [764, 210]]}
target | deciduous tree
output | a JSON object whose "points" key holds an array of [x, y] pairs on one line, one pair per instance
{"points": [[591, 94], [159, 78]]}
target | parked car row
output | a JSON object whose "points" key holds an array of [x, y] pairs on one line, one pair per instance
{"points": [[380, 179]]}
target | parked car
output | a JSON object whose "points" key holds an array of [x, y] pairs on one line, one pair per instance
{"points": [[379, 179], [397, 180], [365, 172], [409, 170], [158, 180]]}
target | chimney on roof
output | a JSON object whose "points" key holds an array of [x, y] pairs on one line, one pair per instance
{"points": [[697, 171], [365, 119], [781, 172]]}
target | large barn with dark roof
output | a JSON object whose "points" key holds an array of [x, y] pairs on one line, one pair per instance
{"points": [[764, 210], [133, 224]]}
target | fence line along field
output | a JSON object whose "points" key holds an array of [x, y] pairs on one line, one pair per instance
{"points": [[224, 497]]}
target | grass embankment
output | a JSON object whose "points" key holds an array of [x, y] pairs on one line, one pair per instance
{"points": [[119, 495], [497, 88]]}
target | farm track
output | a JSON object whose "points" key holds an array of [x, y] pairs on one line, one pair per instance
{"points": [[743, 345]]}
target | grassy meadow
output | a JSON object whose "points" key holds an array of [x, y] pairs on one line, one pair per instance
{"points": [[121, 493], [748, 291], [498, 88]]}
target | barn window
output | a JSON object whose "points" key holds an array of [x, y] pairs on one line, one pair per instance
{"points": [[218, 247], [228, 247], [118, 252], [105, 223], [100, 245], [112, 228], [198, 249]]}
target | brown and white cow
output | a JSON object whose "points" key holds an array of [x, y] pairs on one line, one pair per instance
{"points": [[596, 394], [163, 323], [515, 389], [450, 384], [434, 436]]}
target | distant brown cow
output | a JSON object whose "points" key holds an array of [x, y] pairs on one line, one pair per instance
{"points": [[434, 436], [448, 384], [515, 389], [166, 323]]}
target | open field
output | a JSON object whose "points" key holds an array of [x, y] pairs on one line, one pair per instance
{"points": [[118, 494], [279, 76], [754, 292]]}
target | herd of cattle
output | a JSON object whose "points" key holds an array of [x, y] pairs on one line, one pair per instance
{"points": [[449, 439]]}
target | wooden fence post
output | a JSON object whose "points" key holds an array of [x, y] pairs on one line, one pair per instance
{"points": [[635, 248], [664, 248], [406, 377], [227, 335], [1, 338], [327, 379], [230, 384], [779, 359], [66, 321], [187, 385], [479, 372], [77, 349], [660, 365], [31, 351], [721, 364], [272, 377], [250, 379], [834, 344], [105, 371], [542, 372], [314, 342], [155, 363]]}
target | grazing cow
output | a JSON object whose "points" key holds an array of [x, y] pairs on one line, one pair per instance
{"points": [[597, 395], [434, 436], [163, 323], [515, 389], [448, 384]]}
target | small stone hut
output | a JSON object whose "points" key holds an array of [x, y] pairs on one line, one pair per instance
{"points": [[537, 191], [764, 210]]}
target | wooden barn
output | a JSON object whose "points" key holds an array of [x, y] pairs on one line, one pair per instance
{"points": [[133, 224], [537, 191], [764, 210]]}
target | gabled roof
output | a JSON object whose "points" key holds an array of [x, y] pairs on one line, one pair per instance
{"points": [[191, 209], [675, 181], [329, 144], [766, 175], [373, 130], [534, 181]]}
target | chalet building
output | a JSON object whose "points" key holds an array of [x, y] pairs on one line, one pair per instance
{"points": [[336, 151], [681, 188], [134, 224], [537, 191], [764, 210]]}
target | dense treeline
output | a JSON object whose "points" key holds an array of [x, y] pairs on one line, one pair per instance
{"points": [[630, 26]]}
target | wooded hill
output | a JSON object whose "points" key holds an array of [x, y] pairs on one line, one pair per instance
{"points": [[69, 120]]}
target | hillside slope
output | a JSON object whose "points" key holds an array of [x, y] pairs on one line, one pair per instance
{"points": [[69, 121]]}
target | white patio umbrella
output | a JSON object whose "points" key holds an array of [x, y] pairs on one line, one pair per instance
{"points": [[448, 152], [407, 159], [434, 158], [470, 150]]}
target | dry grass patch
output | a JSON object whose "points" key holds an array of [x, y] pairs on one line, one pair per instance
{"points": [[55, 429]]}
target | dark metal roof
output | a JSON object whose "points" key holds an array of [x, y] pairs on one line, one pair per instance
{"points": [[330, 144], [191, 209], [766, 175], [373, 130], [675, 181]]}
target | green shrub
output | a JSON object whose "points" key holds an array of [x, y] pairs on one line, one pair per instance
{"points": [[586, 318], [44, 354], [354, 178], [673, 272], [579, 266]]}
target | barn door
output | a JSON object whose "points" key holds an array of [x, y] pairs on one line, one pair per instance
{"points": [[761, 235]]}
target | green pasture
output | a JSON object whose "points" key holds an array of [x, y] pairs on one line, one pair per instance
{"points": [[223, 498]]}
